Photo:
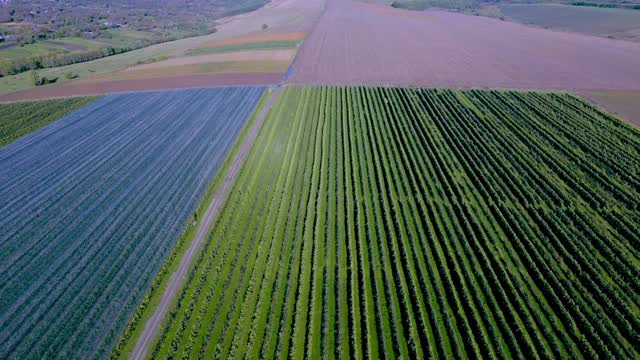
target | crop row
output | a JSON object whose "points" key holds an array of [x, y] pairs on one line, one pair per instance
{"points": [[92, 205], [371, 222], [19, 119]]}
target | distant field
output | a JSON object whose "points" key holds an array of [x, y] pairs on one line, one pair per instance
{"points": [[268, 45], [87, 44], [624, 103], [293, 18], [20, 119], [18, 52], [236, 56], [410, 223], [378, 2], [120, 38], [618, 23], [124, 38], [117, 28], [167, 81], [353, 45], [91, 206], [223, 67], [257, 38]]}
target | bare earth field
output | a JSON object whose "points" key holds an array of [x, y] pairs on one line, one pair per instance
{"points": [[176, 82], [356, 44], [278, 15], [624, 103]]}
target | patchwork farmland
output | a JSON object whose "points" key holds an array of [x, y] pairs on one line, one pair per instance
{"points": [[93, 203], [382, 222], [335, 179]]}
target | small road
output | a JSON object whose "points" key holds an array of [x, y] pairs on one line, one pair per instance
{"points": [[175, 282]]}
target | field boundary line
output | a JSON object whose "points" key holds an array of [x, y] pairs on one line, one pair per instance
{"points": [[176, 280], [589, 98]]}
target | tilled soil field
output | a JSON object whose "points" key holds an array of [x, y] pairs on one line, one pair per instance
{"points": [[176, 82], [364, 45]]}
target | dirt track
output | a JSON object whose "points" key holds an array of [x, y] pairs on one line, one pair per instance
{"points": [[175, 282], [356, 44], [98, 88]]}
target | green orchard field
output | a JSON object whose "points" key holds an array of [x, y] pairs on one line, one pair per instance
{"points": [[19, 119], [371, 222]]}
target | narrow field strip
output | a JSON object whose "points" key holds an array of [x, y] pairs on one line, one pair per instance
{"points": [[259, 38], [244, 67], [262, 45], [411, 223], [92, 206], [237, 56]]}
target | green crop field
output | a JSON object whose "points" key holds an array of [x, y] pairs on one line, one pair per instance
{"points": [[28, 50], [121, 37], [19, 119], [261, 45], [411, 223], [44, 48]]}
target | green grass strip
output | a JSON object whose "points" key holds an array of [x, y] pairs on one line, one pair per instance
{"points": [[262, 45]]}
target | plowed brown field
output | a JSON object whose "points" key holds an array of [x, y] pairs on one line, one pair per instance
{"points": [[355, 44]]}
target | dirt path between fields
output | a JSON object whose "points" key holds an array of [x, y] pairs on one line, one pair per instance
{"points": [[175, 283]]}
